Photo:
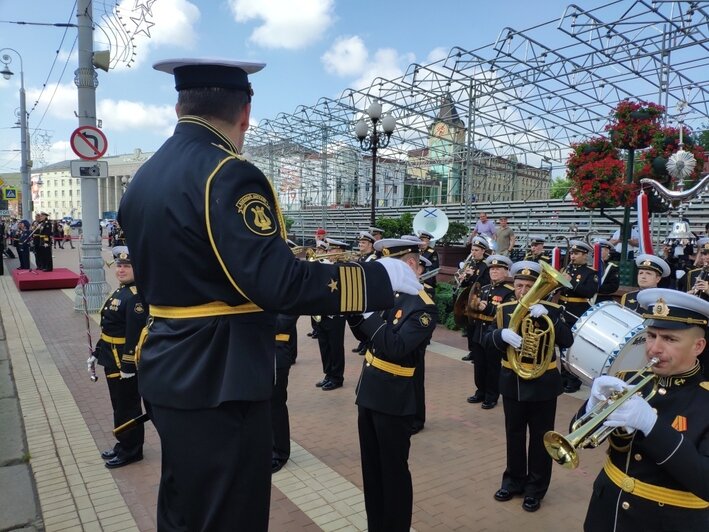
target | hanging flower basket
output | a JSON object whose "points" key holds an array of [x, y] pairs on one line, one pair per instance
{"points": [[634, 124], [592, 150], [665, 143], [601, 184]]}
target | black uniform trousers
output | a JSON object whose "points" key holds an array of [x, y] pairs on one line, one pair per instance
{"points": [[23, 253], [528, 471], [279, 415], [384, 442], [221, 457], [44, 257], [331, 340], [420, 392], [125, 401], [487, 374]]}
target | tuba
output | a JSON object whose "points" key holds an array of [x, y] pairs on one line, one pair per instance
{"points": [[524, 361]]}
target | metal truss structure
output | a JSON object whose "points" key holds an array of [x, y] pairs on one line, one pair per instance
{"points": [[518, 104]]}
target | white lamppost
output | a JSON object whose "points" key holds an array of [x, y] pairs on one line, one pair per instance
{"points": [[6, 59]]}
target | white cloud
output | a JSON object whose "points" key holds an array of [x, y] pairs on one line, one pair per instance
{"points": [[346, 57], [123, 115], [64, 101], [387, 63], [289, 24], [437, 54]]}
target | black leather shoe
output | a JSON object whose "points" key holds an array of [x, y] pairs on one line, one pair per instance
{"points": [[119, 461], [572, 388], [415, 429], [475, 399], [355, 350], [531, 504], [503, 495], [487, 405], [107, 455], [329, 385], [277, 464], [322, 383], [467, 357]]}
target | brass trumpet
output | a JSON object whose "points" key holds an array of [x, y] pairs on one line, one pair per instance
{"points": [[588, 430]]}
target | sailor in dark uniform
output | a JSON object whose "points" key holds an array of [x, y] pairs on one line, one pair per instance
{"points": [[377, 233], [428, 251], [286, 353], [575, 300], [610, 279], [475, 274], [697, 282], [386, 396], [207, 365], [365, 242], [122, 319], [331, 334], [656, 475], [487, 361], [529, 403], [536, 249], [650, 270]]}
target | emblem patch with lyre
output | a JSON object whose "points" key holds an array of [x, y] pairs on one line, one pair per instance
{"points": [[256, 211]]}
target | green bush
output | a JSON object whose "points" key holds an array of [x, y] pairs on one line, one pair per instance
{"points": [[396, 227], [444, 302], [456, 234]]}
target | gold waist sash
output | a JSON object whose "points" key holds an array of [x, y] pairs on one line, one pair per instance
{"points": [[115, 340], [214, 308], [389, 367]]}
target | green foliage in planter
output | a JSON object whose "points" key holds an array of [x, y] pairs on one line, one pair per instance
{"points": [[396, 227], [456, 234], [289, 223], [444, 303]]}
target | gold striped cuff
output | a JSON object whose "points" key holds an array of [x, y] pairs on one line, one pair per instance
{"points": [[351, 289], [659, 494], [389, 367], [214, 308]]}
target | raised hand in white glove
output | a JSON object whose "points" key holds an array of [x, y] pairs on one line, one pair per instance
{"points": [[602, 388], [401, 276], [538, 310], [127, 375], [679, 274], [634, 414], [91, 360], [512, 338]]}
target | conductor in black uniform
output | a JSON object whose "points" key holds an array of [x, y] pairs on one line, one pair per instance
{"points": [[529, 403], [650, 270], [386, 396], [43, 244], [207, 365], [656, 474], [123, 317]]}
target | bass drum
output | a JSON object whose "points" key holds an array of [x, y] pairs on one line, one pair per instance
{"points": [[608, 338]]}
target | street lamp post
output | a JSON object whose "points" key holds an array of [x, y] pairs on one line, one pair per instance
{"points": [[373, 141], [24, 139]]}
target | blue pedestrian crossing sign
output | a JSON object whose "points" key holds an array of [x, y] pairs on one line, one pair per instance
{"points": [[9, 193]]}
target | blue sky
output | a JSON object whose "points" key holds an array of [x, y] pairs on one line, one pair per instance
{"points": [[313, 48]]}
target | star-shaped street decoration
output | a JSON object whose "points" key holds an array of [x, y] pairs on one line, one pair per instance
{"points": [[332, 285], [140, 22], [145, 6]]}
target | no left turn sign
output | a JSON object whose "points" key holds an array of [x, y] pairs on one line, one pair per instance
{"points": [[88, 143]]}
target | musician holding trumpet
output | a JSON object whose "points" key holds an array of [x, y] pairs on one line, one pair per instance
{"points": [[698, 279], [656, 475]]}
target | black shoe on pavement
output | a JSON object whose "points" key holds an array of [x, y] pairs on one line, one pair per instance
{"points": [[572, 388], [503, 495], [467, 358], [322, 383], [107, 455], [531, 504], [487, 405], [329, 385], [120, 461], [475, 399], [277, 464]]}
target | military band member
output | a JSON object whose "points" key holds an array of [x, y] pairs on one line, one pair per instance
{"points": [[698, 279], [536, 250], [650, 270], [365, 243], [656, 474], [475, 272], [122, 319], [207, 365], [575, 300], [286, 353], [428, 251], [487, 361], [386, 396], [529, 404], [610, 279], [377, 233], [420, 374]]}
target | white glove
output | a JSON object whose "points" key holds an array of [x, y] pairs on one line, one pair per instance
{"points": [[367, 315], [538, 310], [401, 276], [679, 274], [127, 375], [602, 388], [91, 360], [512, 338], [635, 414]]}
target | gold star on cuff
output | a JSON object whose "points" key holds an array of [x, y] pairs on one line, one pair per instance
{"points": [[332, 285]]}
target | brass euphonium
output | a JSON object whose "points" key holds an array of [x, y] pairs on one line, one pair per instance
{"points": [[526, 361]]}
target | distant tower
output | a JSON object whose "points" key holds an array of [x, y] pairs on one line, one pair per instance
{"points": [[446, 143]]}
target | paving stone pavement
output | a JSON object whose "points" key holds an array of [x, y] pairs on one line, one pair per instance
{"points": [[456, 461]]}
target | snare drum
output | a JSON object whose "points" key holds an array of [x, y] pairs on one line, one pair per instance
{"points": [[608, 338]]}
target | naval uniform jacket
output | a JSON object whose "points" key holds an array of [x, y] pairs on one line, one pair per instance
{"points": [[218, 270], [123, 317], [494, 295], [480, 274], [538, 258], [630, 300], [610, 282], [396, 336], [548, 385], [432, 255], [674, 455], [584, 285], [692, 277]]}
